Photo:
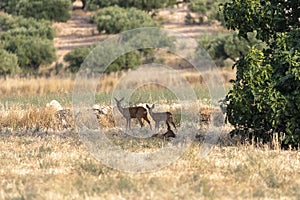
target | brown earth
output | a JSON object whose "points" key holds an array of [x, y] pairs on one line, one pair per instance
{"points": [[79, 32]]}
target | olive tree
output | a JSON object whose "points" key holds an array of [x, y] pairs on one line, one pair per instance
{"points": [[265, 98]]}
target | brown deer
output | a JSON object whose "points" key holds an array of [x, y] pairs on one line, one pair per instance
{"points": [[166, 135], [128, 113], [169, 133], [161, 116]]}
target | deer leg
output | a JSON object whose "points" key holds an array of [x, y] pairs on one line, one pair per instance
{"points": [[156, 125], [129, 123], [141, 123], [172, 122], [167, 123], [147, 120]]}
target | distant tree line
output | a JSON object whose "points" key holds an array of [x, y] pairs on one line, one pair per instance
{"points": [[26, 44]]}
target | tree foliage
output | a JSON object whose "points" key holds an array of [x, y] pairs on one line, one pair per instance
{"points": [[13, 26], [76, 58], [127, 61], [228, 46], [208, 8], [54, 10], [146, 5], [8, 63], [115, 19], [265, 98], [125, 51], [28, 39]]}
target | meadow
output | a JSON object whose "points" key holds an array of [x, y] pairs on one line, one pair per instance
{"points": [[40, 159]]}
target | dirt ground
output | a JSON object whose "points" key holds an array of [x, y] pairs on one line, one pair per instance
{"points": [[79, 32]]}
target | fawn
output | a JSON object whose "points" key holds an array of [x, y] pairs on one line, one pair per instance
{"points": [[128, 113], [169, 133], [161, 116]]}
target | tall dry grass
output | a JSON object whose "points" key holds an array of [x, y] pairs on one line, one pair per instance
{"points": [[19, 86], [48, 166]]}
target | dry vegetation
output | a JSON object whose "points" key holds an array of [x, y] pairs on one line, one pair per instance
{"points": [[42, 156], [57, 166], [18, 86]]}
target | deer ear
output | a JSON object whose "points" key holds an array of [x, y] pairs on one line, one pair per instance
{"points": [[147, 106], [152, 106], [116, 99], [122, 99]]}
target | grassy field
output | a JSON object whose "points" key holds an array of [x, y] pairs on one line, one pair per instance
{"points": [[38, 161], [45, 165]]}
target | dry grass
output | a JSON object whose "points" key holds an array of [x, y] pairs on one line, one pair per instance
{"points": [[18, 86], [57, 166], [34, 86], [42, 157], [37, 162]]}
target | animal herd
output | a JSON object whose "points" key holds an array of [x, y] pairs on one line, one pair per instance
{"points": [[140, 113]]}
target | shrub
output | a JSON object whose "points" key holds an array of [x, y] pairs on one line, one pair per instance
{"points": [[147, 5], [77, 56], [14, 26], [9, 6], [9, 63], [265, 98], [56, 10], [115, 19], [29, 39], [209, 8], [224, 46], [32, 52]]}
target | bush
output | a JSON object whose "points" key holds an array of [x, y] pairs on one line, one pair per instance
{"points": [[56, 10], [77, 56], [9, 6], [9, 63], [32, 52], [14, 26], [265, 98], [115, 19], [147, 5], [230, 46], [209, 8], [30, 40]]}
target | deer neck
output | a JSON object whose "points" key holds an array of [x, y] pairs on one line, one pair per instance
{"points": [[151, 112], [121, 109]]}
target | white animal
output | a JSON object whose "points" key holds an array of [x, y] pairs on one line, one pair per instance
{"points": [[55, 104]]}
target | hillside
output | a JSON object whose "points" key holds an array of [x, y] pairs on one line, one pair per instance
{"points": [[79, 32]]}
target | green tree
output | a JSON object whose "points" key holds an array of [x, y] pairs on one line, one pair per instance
{"points": [[76, 58], [30, 40], [8, 63], [224, 46], [56, 10], [115, 19], [14, 25], [128, 61], [146, 5], [208, 8], [9, 6], [265, 98], [32, 52]]}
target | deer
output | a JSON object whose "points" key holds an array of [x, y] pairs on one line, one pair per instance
{"points": [[166, 135], [128, 113], [161, 116], [169, 133]]}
